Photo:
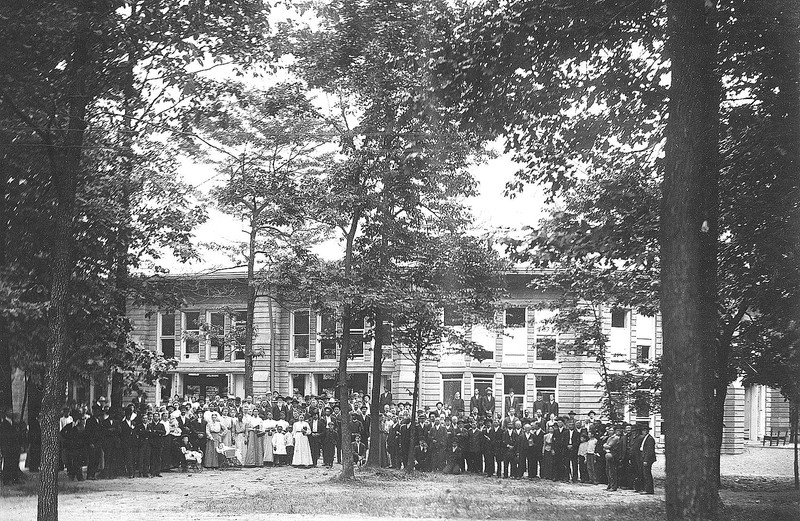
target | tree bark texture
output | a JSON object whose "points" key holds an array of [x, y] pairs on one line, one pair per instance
{"points": [[688, 251], [6, 370], [374, 459], [348, 471], [251, 308]]}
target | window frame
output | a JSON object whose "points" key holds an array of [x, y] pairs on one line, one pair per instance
{"points": [[547, 332], [293, 335], [185, 355], [209, 336], [161, 336], [321, 337]]}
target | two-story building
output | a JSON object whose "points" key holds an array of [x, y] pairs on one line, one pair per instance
{"points": [[524, 356]]}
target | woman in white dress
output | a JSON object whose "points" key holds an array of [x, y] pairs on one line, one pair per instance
{"points": [[239, 431], [254, 455], [269, 428], [302, 449], [214, 433], [226, 419]]}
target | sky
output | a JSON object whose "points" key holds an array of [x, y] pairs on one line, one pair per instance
{"points": [[492, 210]]}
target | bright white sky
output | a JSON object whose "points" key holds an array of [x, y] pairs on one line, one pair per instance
{"points": [[491, 209]]}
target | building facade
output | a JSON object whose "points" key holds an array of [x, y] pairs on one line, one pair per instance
{"points": [[524, 358]]}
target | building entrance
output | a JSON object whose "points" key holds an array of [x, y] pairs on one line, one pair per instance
{"points": [[205, 385]]}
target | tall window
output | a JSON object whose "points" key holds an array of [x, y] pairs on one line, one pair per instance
{"points": [[357, 329], [216, 334], [191, 330], [167, 335], [643, 354], [513, 383], [618, 317], [546, 384], [240, 332], [327, 336], [301, 329], [451, 384], [515, 340], [545, 339]]}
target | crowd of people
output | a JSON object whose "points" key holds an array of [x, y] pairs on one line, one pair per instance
{"points": [[145, 440]]}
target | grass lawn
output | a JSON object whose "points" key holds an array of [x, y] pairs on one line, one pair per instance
{"points": [[290, 493]]}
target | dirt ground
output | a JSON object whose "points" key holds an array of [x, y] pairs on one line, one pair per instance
{"points": [[757, 486]]}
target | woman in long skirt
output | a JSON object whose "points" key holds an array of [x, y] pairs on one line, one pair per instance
{"points": [[254, 455], [239, 431], [226, 419], [302, 449], [214, 433], [269, 428]]}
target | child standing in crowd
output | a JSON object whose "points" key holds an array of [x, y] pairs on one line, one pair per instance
{"points": [[279, 446]]}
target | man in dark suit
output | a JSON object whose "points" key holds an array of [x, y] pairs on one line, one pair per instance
{"points": [[509, 450], [366, 421], [475, 402], [560, 451], [386, 397], [317, 436], [10, 447], [331, 434], [513, 404], [539, 405], [457, 405], [519, 450], [496, 433], [573, 444], [405, 441], [280, 406], [647, 449], [534, 437], [93, 436], [488, 404], [129, 443], [551, 405], [393, 444]]}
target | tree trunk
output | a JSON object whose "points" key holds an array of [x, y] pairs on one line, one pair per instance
{"points": [[65, 165], [794, 414], [251, 307], [273, 340], [688, 237], [6, 370], [344, 398], [412, 430], [374, 459]]}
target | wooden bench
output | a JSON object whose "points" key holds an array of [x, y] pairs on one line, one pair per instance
{"points": [[776, 436]]}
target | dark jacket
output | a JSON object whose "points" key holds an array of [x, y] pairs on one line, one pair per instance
{"points": [[649, 450]]}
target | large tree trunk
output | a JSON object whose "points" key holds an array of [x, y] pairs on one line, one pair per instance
{"points": [[6, 370], [273, 341], [65, 166], [374, 459], [688, 238], [344, 397]]}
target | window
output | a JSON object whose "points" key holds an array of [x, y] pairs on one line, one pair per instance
{"points": [[357, 330], [513, 383], [327, 336], [191, 331], [515, 317], [546, 339], [216, 334], [481, 382], [618, 317], [451, 384], [240, 332], [546, 348], [515, 339], [643, 354], [300, 333], [641, 403], [546, 384], [167, 335]]}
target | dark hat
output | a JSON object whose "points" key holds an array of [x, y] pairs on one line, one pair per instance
{"points": [[571, 413], [592, 412]]}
